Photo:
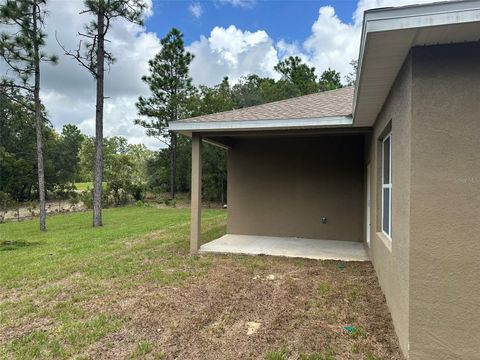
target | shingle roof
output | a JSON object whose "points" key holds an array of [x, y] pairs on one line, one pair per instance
{"points": [[323, 104]]}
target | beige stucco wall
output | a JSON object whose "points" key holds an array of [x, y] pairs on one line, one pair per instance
{"points": [[430, 274], [445, 203], [281, 186], [391, 258]]}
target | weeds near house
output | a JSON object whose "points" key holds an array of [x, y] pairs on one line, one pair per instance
{"points": [[323, 289], [327, 355], [143, 348], [285, 354], [280, 354]]}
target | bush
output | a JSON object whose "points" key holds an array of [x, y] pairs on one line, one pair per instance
{"points": [[86, 197], [5, 201], [64, 191], [171, 202], [73, 198], [110, 197], [136, 190]]}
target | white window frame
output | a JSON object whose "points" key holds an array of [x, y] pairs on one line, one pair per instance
{"points": [[387, 186]]}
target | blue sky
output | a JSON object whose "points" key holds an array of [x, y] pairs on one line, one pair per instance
{"points": [[281, 19], [235, 38], [231, 38]]}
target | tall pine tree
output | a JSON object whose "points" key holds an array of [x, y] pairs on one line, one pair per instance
{"points": [[93, 56], [20, 49], [170, 85]]}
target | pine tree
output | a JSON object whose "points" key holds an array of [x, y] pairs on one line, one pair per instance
{"points": [[298, 74], [20, 48], [351, 77], [170, 86], [93, 56], [330, 80]]}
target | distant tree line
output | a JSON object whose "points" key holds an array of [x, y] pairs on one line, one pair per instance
{"points": [[38, 162], [133, 170], [69, 159], [18, 157], [22, 42]]}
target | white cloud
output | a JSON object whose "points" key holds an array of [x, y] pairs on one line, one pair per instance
{"points": [[332, 42], [196, 9], [239, 3], [286, 49], [68, 90], [232, 52]]}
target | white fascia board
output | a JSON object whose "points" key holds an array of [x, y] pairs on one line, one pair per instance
{"points": [[246, 125], [413, 17], [420, 16]]}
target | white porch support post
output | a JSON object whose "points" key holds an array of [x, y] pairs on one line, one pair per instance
{"points": [[196, 190]]}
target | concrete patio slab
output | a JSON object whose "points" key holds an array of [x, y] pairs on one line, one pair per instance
{"points": [[289, 247]]}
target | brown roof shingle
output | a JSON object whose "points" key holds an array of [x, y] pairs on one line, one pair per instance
{"points": [[322, 104]]}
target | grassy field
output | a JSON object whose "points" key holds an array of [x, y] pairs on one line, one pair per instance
{"points": [[130, 290], [76, 263], [87, 185]]}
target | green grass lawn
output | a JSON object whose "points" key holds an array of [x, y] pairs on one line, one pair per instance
{"points": [[130, 290], [49, 280], [87, 185]]}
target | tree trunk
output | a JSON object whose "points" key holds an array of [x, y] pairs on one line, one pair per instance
{"points": [[173, 164], [38, 121], [98, 170]]}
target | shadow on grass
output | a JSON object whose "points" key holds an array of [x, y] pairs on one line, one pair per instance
{"points": [[8, 245]]}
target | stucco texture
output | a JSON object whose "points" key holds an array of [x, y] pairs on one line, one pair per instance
{"points": [[282, 186], [429, 272], [391, 258], [445, 203]]}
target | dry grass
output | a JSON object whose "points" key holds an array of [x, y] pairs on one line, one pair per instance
{"points": [[147, 298], [208, 318]]}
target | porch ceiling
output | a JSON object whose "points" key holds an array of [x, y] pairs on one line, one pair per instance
{"points": [[228, 139]]}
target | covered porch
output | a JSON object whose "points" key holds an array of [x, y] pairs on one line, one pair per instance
{"points": [[296, 186], [294, 195]]}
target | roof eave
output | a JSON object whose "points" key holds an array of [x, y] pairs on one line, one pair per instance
{"points": [[188, 127], [390, 20]]}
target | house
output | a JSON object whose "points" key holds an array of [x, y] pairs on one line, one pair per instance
{"points": [[393, 163]]}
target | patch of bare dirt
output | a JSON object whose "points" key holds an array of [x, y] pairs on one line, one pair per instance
{"points": [[27, 212], [246, 307]]}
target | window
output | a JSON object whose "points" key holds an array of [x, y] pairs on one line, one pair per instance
{"points": [[387, 185]]}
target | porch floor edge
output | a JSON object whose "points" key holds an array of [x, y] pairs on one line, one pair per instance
{"points": [[287, 247]]}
